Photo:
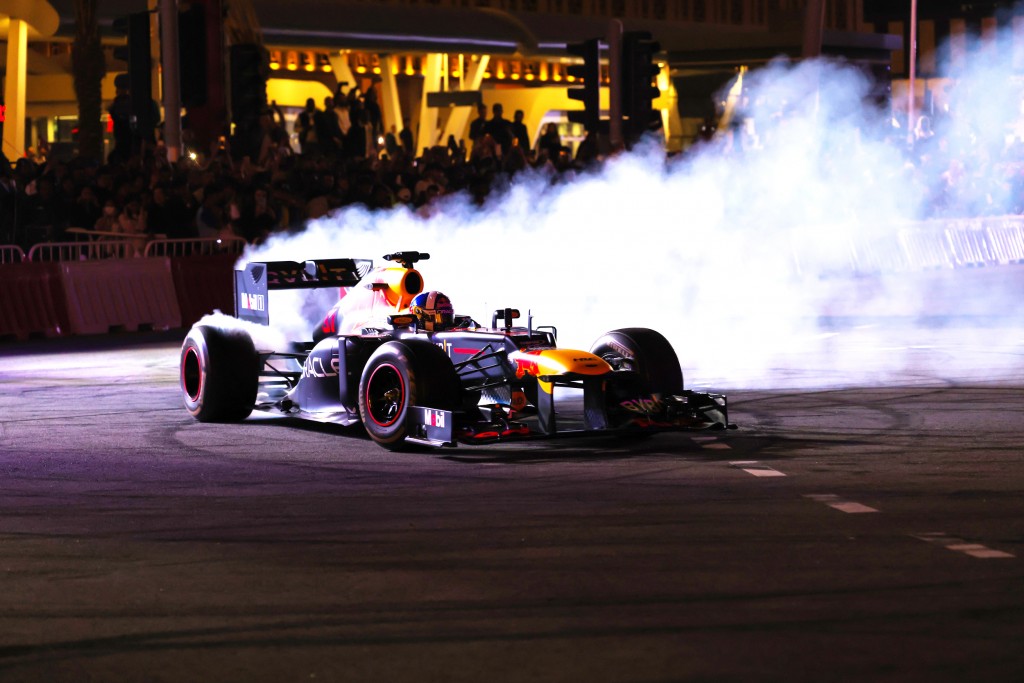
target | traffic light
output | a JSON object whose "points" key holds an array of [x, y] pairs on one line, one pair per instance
{"points": [[249, 70], [590, 93], [139, 80], [638, 93]]}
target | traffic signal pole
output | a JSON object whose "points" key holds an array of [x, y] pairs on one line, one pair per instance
{"points": [[615, 83], [171, 79]]}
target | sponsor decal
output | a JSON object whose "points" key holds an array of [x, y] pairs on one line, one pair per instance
{"points": [[314, 367], [252, 302], [621, 350], [526, 367], [287, 276], [642, 404], [433, 418], [330, 323]]}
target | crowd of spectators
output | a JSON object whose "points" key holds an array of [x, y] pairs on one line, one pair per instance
{"points": [[255, 187]]}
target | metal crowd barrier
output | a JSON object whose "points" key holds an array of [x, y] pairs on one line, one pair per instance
{"points": [[203, 246], [82, 251], [917, 247], [11, 253], [121, 248]]}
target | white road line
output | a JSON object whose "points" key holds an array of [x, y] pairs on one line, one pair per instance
{"points": [[834, 501], [961, 546], [711, 443], [757, 469]]}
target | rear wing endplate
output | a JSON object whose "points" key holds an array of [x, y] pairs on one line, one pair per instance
{"points": [[255, 279]]}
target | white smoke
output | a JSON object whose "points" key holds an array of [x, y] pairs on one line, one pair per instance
{"points": [[726, 250]]}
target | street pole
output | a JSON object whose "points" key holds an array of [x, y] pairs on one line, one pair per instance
{"points": [[615, 85], [913, 68], [172, 80]]}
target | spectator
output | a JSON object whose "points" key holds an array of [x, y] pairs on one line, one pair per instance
{"points": [[406, 138], [305, 127], [519, 132], [328, 132], [342, 109], [86, 209], [550, 141], [477, 125], [500, 130], [121, 114]]}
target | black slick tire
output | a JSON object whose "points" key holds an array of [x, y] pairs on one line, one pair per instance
{"points": [[645, 352], [401, 374], [220, 372]]}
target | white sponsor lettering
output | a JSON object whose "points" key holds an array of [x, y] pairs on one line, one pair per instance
{"points": [[314, 367], [253, 302]]}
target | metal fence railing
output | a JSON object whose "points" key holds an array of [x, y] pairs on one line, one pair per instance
{"points": [[204, 246], [11, 253], [119, 248], [920, 246], [82, 251]]}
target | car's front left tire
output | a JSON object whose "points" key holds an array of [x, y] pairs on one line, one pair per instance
{"points": [[397, 376]]}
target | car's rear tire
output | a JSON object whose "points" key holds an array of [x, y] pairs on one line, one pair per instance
{"points": [[401, 374], [645, 352], [220, 373]]}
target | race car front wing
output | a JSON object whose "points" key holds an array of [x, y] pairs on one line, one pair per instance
{"points": [[686, 411]]}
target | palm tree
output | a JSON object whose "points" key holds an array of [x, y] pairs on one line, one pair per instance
{"points": [[88, 67]]}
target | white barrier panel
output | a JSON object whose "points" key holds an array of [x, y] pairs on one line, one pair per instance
{"points": [[122, 294], [1007, 240]]}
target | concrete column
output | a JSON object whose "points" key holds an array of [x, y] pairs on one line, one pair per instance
{"points": [[472, 80], [14, 89], [342, 71], [390, 105], [427, 132]]}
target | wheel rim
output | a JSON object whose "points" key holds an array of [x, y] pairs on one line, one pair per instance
{"points": [[192, 374], [618, 362], [385, 395]]}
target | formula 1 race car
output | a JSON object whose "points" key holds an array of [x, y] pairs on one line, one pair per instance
{"points": [[398, 360]]}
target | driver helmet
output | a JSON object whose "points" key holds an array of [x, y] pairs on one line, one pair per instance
{"points": [[433, 310]]}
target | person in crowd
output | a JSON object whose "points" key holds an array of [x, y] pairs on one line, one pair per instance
{"points": [[407, 139], [550, 142], [108, 220], [305, 127], [477, 125], [121, 115], [342, 109], [328, 131], [499, 129], [519, 132], [86, 209]]}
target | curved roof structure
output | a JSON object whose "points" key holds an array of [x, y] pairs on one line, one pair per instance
{"points": [[41, 17]]}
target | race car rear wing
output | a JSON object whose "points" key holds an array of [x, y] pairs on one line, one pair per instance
{"points": [[255, 279]]}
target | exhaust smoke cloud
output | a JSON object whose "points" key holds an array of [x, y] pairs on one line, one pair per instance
{"points": [[734, 250]]}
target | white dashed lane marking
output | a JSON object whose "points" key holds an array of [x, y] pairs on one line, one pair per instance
{"points": [[757, 469], [834, 501], [961, 546], [711, 443]]}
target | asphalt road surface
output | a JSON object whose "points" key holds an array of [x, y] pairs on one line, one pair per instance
{"points": [[868, 533]]}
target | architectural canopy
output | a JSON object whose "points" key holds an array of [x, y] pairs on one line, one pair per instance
{"points": [[41, 17]]}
